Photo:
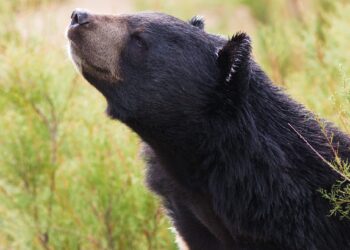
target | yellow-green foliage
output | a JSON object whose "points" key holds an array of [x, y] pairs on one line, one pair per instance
{"points": [[70, 178], [308, 55], [17, 5]]}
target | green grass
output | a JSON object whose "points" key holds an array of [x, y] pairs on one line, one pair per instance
{"points": [[70, 178]]}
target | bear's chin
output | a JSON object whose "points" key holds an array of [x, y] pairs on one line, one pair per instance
{"points": [[116, 111], [111, 112], [102, 84]]}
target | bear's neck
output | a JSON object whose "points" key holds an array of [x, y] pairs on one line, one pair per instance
{"points": [[177, 146]]}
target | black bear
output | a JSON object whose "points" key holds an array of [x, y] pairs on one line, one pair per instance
{"points": [[237, 163]]}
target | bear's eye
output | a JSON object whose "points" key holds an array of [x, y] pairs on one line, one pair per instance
{"points": [[138, 41]]}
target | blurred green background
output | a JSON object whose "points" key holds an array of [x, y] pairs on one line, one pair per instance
{"points": [[70, 178]]}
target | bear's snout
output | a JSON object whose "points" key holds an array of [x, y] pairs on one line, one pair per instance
{"points": [[96, 42], [80, 17]]}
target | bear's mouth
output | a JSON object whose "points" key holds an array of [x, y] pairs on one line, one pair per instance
{"points": [[84, 66]]}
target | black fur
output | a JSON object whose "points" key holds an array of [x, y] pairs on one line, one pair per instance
{"points": [[231, 171], [197, 21], [234, 56]]}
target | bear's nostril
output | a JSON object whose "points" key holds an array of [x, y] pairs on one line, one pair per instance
{"points": [[74, 18], [79, 17]]}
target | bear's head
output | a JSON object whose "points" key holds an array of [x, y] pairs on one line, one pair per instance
{"points": [[155, 68]]}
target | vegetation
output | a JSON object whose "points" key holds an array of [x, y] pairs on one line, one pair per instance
{"points": [[70, 178]]}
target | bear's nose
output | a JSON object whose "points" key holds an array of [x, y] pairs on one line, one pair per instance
{"points": [[80, 17]]}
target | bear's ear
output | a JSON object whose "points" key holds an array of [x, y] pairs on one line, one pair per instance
{"points": [[197, 21], [233, 58]]}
